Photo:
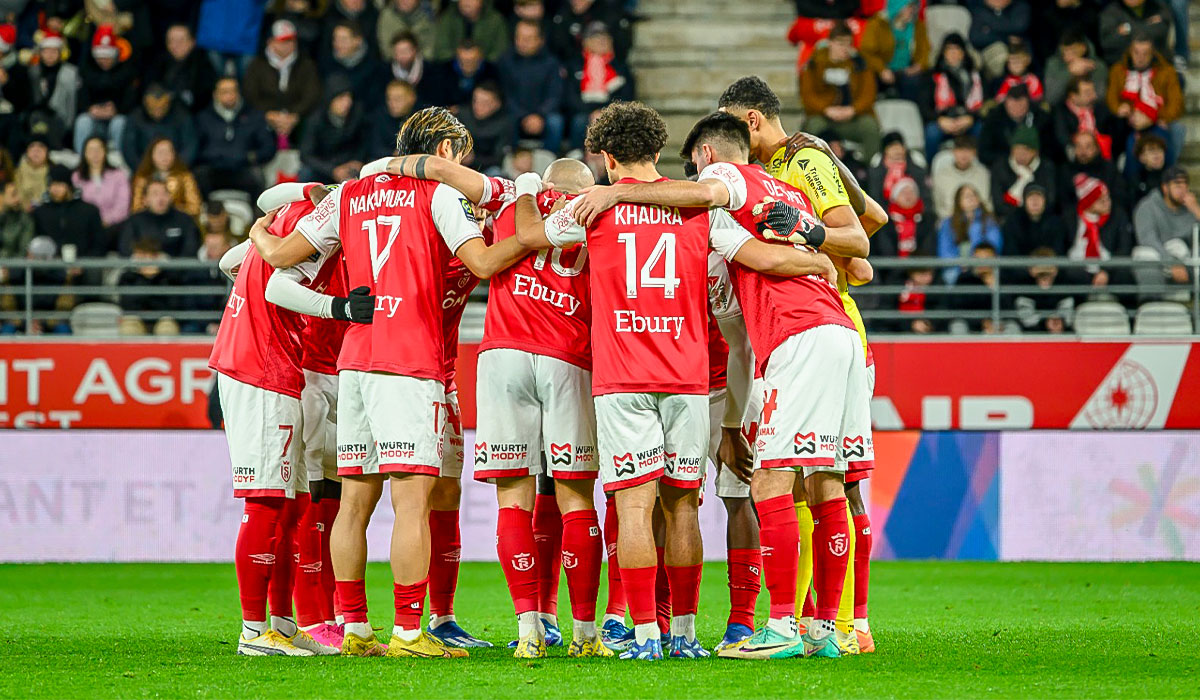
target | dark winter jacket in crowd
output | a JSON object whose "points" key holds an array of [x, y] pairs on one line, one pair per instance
{"points": [[73, 222], [233, 139], [532, 84], [141, 131], [191, 80], [116, 85], [329, 141], [174, 231]]}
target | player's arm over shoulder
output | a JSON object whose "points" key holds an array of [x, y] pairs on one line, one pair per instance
{"points": [[455, 219]]}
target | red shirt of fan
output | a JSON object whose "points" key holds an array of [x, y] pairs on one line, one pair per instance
{"points": [[541, 305], [322, 337], [259, 343], [648, 283], [397, 236], [775, 308]]}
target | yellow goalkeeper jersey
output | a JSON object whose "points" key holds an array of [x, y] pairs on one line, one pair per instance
{"points": [[816, 175]]}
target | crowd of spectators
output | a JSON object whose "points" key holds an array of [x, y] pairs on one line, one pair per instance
{"points": [[133, 128], [1051, 128], [129, 128]]}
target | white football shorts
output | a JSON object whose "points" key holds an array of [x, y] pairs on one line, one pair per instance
{"points": [[318, 444], [262, 428], [814, 404], [388, 423], [727, 485], [652, 436], [451, 446], [529, 406]]}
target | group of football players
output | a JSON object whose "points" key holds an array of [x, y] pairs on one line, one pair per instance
{"points": [[635, 333]]}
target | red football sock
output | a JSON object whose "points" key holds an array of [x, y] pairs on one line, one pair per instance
{"points": [[810, 607], [254, 554], [410, 603], [831, 544], [308, 591], [779, 532], [662, 593], [548, 534], [518, 557], [638, 584], [685, 589], [329, 511], [863, 539], [445, 547], [283, 572], [582, 552], [745, 581], [616, 593], [352, 596]]}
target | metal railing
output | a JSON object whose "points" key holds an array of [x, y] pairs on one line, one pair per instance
{"points": [[24, 300]]}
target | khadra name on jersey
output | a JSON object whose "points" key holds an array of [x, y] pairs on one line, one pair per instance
{"points": [[646, 214]]}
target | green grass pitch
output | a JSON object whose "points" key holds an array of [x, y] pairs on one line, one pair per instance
{"points": [[952, 630]]}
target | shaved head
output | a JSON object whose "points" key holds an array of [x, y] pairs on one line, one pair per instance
{"points": [[569, 175]]}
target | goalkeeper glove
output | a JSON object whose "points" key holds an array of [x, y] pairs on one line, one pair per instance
{"points": [[359, 307], [782, 222]]}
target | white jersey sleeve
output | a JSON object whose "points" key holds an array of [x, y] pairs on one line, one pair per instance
{"points": [[320, 226], [721, 298], [453, 216], [562, 230], [286, 288], [729, 176], [725, 235]]}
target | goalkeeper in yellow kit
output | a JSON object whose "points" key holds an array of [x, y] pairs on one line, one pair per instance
{"points": [[806, 163]]}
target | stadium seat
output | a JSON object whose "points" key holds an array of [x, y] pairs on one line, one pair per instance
{"points": [[241, 212], [96, 319], [941, 20], [1162, 318], [1101, 318], [902, 116]]}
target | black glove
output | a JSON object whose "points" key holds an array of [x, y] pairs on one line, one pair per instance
{"points": [[783, 222], [316, 490], [359, 307]]}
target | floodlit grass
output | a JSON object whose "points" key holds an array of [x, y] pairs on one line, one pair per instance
{"points": [[944, 629]]}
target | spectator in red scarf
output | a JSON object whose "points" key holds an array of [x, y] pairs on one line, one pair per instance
{"points": [[1082, 110], [1023, 166], [953, 95], [596, 79], [915, 299], [909, 228], [1102, 230], [1017, 71], [1143, 89], [1086, 158], [895, 163]]}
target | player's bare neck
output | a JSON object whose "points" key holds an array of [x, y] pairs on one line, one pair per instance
{"points": [[645, 172], [773, 139]]}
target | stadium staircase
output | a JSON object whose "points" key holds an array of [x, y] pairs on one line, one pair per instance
{"points": [[686, 51]]}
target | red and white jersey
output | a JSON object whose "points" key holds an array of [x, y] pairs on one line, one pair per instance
{"points": [[398, 236], [722, 304], [259, 343], [541, 305], [775, 308], [460, 282], [649, 293], [322, 337]]}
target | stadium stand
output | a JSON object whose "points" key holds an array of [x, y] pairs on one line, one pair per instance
{"points": [[1092, 123]]}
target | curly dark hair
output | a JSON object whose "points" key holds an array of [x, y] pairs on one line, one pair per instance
{"points": [[424, 130], [717, 127], [751, 92], [630, 132]]}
